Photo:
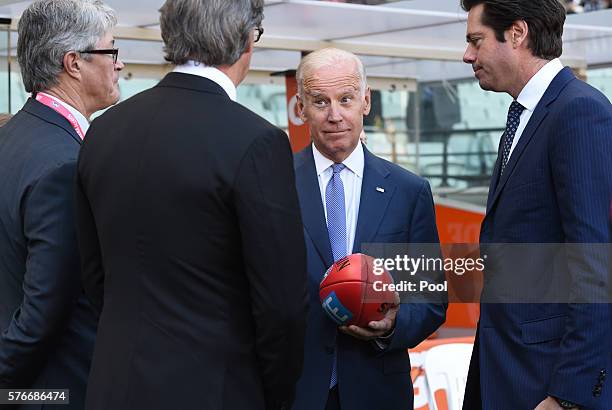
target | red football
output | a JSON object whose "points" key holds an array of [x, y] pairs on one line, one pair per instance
{"points": [[352, 291]]}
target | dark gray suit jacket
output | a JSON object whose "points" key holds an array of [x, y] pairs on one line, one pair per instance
{"points": [[47, 328]]}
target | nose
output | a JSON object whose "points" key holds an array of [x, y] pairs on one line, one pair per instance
{"points": [[469, 56], [333, 115], [119, 65]]}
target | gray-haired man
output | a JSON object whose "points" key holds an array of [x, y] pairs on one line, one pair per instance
{"points": [[47, 328], [190, 231]]}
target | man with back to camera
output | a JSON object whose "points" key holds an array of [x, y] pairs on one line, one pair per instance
{"points": [[190, 231], [551, 184], [348, 197], [47, 326]]}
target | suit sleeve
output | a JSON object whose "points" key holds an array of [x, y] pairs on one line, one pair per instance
{"points": [[51, 283], [275, 262], [417, 321], [581, 156], [92, 275]]}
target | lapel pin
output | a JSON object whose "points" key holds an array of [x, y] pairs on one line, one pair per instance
{"points": [[379, 189]]}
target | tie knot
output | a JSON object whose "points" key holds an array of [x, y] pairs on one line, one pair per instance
{"points": [[515, 110], [338, 167]]}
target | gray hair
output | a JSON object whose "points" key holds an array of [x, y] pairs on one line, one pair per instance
{"points": [[48, 29], [212, 32], [326, 57]]}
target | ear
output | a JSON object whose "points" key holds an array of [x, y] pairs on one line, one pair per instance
{"points": [[72, 62], [251, 44], [300, 108], [368, 101], [518, 33]]}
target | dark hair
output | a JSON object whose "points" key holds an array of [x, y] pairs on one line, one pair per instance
{"points": [[544, 18]]}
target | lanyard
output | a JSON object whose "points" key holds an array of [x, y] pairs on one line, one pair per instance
{"points": [[61, 110]]}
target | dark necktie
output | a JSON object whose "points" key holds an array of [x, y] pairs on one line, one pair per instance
{"points": [[512, 123]]}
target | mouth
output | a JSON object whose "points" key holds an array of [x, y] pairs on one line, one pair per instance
{"points": [[477, 70], [338, 132]]}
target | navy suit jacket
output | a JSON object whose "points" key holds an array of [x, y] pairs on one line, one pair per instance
{"points": [[556, 188], [368, 377], [47, 327]]}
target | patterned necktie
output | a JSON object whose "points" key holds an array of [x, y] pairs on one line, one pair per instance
{"points": [[512, 123], [336, 213], [336, 228]]}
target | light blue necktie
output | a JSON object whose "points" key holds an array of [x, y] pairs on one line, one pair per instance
{"points": [[336, 228]]}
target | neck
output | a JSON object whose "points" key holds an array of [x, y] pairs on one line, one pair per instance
{"points": [[526, 71], [233, 72], [70, 96]]}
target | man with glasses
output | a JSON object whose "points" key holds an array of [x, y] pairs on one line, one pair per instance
{"points": [[47, 326], [190, 232]]}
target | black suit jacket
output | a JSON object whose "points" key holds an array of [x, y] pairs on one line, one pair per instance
{"points": [[47, 327], [192, 247]]}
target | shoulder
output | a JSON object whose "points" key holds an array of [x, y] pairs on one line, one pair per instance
{"points": [[403, 178], [38, 143], [300, 158], [577, 94]]}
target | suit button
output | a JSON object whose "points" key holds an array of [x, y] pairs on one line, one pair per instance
{"points": [[602, 374], [329, 349], [597, 391]]}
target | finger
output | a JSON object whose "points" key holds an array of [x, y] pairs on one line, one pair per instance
{"points": [[365, 333], [381, 325]]}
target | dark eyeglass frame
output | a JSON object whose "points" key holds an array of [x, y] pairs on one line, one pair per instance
{"points": [[258, 33], [111, 51]]}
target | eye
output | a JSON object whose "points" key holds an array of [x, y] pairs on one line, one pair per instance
{"points": [[346, 99], [319, 103]]}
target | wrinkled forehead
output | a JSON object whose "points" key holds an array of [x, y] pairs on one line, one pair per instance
{"points": [[342, 77]]}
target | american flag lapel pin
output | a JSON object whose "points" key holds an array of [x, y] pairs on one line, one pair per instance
{"points": [[379, 189]]}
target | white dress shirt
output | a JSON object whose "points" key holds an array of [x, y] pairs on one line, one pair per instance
{"points": [[352, 177], [212, 73], [532, 93], [83, 123]]}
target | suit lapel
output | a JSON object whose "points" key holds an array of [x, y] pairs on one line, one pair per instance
{"points": [[313, 214], [540, 112], [49, 115], [376, 193]]}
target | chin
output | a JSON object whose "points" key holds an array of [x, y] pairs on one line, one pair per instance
{"points": [[484, 85]]}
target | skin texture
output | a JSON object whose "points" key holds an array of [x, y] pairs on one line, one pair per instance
{"points": [[89, 86], [101, 77], [501, 67], [333, 107]]}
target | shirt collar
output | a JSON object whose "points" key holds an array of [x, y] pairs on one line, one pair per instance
{"points": [[534, 90], [83, 123], [354, 162], [212, 73]]}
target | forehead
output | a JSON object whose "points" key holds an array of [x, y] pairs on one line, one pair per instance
{"points": [[107, 39], [339, 77], [474, 21]]}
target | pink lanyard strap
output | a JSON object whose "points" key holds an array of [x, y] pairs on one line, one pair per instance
{"points": [[61, 110]]}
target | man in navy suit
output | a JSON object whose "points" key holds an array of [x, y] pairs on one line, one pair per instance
{"points": [[552, 184], [47, 327], [354, 368]]}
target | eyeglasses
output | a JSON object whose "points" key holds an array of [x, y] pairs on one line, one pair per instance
{"points": [[112, 51], [258, 33]]}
